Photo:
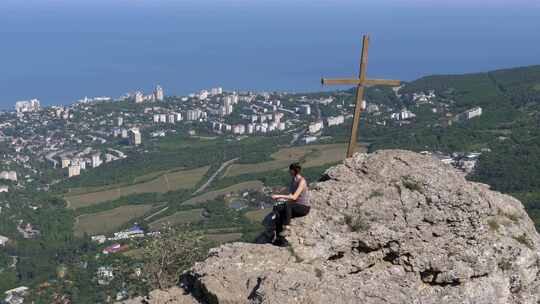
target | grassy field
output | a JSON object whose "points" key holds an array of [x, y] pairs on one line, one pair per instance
{"points": [[139, 179], [137, 253], [167, 182], [172, 143], [257, 215], [84, 190], [311, 156], [108, 221], [152, 175], [181, 217], [251, 185]]}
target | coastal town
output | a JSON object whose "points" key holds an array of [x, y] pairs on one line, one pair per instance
{"points": [[63, 142], [84, 135]]}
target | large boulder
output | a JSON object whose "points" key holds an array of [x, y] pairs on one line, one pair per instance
{"points": [[389, 227]]}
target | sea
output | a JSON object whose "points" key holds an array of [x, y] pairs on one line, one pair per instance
{"points": [[60, 51]]}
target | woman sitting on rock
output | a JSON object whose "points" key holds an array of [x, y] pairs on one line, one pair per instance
{"points": [[295, 205]]}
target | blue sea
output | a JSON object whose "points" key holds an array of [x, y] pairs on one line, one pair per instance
{"points": [[60, 50]]}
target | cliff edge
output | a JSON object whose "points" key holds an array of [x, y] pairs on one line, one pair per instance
{"points": [[389, 227]]}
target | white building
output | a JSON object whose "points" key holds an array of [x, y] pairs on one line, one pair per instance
{"points": [[406, 114], [171, 118], [250, 128], [315, 127], [372, 108], [27, 106], [474, 112], [159, 94], [278, 116], [65, 162], [193, 114], [80, 162], [138, 97], [109, 157], [230, 99], [226, 110], [326, 101], [135, 137], [162, 118], [363, 105], [74, 170], [100, 239], [4, 188], [423, 98], [3, 240], [9, 175], [156, 118], [216, 125], [281, 126], [216, 91], [402, 115], [309, 139], [239, 129], [120, 121], [179, 116], [105, 275], [16, 295], [96, 160], [335, 120], [203, 95]]}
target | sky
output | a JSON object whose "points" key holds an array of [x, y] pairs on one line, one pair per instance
{"points": [[62, 50]]}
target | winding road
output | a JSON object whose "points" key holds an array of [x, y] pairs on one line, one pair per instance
{"points": [[211, 179]]}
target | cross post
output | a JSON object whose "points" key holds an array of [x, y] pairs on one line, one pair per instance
{"points": [[360, 83]]}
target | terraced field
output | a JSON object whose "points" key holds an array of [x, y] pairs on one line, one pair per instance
{"points": [[311, 156], [167, 182], [251, 185], [108, 221]]}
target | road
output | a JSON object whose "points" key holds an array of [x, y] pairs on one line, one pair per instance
{"points": [[211, 179], [297, 136], [154, 214]]}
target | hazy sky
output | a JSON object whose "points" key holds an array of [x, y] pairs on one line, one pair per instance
{"points": [[61, 50]]}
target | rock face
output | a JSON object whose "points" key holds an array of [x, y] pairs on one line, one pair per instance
{"points": [[388, 227]]}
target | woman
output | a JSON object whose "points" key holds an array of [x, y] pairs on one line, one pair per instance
{"points": [[296, 202]]}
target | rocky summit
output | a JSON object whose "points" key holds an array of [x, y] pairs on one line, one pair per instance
{"points": [[388, 227]]}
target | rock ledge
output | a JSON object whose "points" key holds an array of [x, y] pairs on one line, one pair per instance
{"points": [[389, 227]]}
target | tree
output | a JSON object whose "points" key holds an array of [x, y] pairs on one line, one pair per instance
{"points": [[170, 254]]}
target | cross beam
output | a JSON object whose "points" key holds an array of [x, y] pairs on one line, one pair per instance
{"points": [[360, 83]]}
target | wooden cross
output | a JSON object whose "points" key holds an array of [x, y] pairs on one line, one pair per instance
{"points": [[360, 83]]}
